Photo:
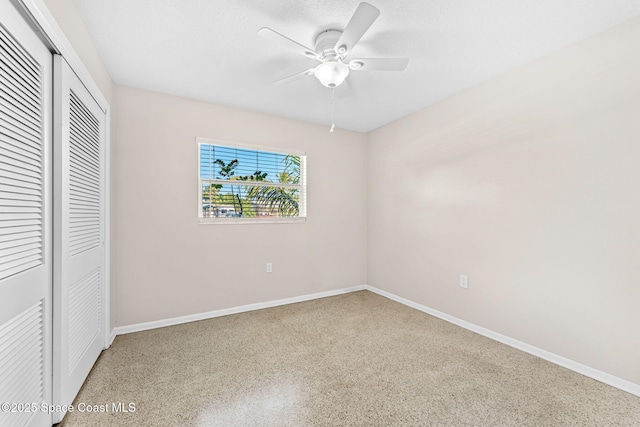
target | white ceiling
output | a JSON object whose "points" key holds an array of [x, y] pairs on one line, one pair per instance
{"points": [[209, 49]]}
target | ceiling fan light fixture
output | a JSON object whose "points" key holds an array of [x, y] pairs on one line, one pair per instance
{"points": [[331, 73], [331, 48]]}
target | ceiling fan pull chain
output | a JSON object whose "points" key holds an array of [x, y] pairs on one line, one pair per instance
{"points": [[333, 126]]}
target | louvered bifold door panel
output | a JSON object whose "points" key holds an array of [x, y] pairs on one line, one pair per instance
{"points": [[79, 233], [25, 222]]}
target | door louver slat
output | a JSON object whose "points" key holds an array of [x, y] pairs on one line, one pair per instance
{"points": [[27, 169], [26, 234], [6, 105], [11, 151], [13, 85], [10, 96], [16, 52], [24, 145], [7, 174]]}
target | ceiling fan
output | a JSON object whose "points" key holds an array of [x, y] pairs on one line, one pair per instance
{"points": [[332, 48]]}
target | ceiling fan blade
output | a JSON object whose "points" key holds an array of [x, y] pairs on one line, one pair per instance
{"points": [[294, 77], [275, 36], [379, 64], [360, 22]]}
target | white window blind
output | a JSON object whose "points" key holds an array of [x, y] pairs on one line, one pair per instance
{"points": [[239, 184]]}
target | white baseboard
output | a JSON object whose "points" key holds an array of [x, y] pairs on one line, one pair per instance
{"points": [[588, 371], [227, 311], [585, 370]]}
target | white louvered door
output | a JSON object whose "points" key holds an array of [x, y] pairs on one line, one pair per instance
{"points": [[25, 222], [79, 258]]}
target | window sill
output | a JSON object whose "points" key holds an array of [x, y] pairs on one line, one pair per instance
{"points": [[219, 221]]}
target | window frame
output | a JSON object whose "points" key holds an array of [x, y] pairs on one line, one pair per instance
{"points": [[302, 210]]}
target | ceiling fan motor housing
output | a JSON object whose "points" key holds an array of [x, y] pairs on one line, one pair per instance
{"points": [[326, 43]]}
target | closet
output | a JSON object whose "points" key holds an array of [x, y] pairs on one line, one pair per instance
{"points": [[52, 225]]}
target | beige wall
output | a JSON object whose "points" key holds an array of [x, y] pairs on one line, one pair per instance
{"points": [[529, 184], [169, 265]]}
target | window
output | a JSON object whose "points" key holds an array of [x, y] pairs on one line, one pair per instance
{"points": [[240, 184]]}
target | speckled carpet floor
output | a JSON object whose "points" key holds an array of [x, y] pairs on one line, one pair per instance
{"points": [[357, 359]]}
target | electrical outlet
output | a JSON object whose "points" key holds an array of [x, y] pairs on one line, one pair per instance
{"points": [[269, 267], [464, 281]]}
